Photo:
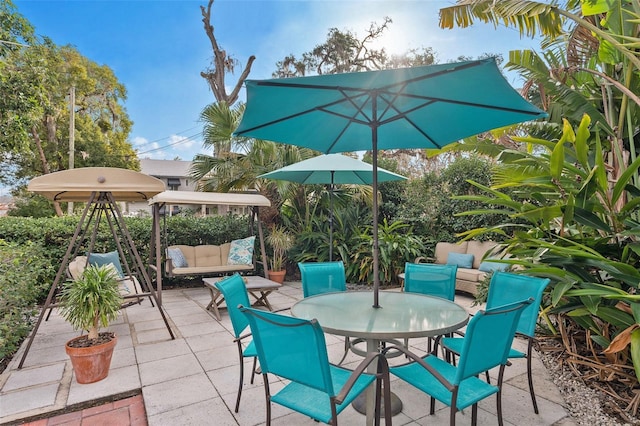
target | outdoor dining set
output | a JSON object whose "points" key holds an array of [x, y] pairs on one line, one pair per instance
{"points": [[292, 346]]}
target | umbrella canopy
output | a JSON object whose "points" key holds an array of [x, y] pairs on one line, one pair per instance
{"points": [[332, 169], [420, 107]]}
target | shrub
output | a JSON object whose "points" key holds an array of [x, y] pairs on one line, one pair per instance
{"points": [[25, 277]]}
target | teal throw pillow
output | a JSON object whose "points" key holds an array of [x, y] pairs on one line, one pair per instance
{"points": [[493, 266], [241, 251], [177, 258], [463, 260], [101, 259]]}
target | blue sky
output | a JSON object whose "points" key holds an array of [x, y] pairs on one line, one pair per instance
{"points": [[158, 48]]}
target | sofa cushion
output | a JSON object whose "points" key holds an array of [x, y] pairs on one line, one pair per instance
{"points": [[479, 249], [443, 250], [462, 260], [241, 251], [473, 275], [493, 266], [177, 258]]}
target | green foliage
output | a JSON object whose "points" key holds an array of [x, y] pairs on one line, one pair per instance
{"points": [[28, 204], [280, 242], [91, 301], [573, 226], [34, 87], [397, 245], [25, 273], [432, 208]]}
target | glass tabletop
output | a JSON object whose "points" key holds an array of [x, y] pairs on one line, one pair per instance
{"points": [[401, 315]]}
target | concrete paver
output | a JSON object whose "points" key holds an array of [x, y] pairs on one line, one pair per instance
{"points": [[194, 378]]}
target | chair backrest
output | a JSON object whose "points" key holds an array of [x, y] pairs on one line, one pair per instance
{"points": [[292, 348], [322, 277], [507, 287], [488, 339], [235, 293], [431, 279]]}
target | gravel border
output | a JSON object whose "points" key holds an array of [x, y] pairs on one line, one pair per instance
{"points": [[586, 405]]}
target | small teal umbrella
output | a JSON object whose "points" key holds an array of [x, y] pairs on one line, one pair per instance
{"points": [[419, 107], [331, 169]]}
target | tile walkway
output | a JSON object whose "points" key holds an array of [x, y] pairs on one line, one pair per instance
{"points": [[192, 380]]}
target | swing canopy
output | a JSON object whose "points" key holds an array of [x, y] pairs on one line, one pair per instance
{"points": [[79, 184]]}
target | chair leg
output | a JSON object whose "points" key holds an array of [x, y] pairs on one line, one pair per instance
{"points": [[347, 346], [432, 406], [253, 370], [267, 395], [530, 376], [499, 396], [474, 414], [241, 376]]}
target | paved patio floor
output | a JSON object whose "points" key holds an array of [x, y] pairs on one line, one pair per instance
{"points": [[192, 380]]}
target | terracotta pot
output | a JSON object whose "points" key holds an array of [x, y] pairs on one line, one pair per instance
{"points": [[91, 364], [277, 276]]}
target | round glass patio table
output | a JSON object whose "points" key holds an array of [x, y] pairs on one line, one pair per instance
{"points": [[400, 315]]}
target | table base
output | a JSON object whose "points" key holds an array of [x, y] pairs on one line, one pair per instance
{"points": [[360, 404]]}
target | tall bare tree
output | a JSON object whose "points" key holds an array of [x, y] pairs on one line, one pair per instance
{"points": [[221, 64]]}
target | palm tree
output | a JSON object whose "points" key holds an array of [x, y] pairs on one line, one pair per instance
{"points": [[236, 163], [594, 71]]}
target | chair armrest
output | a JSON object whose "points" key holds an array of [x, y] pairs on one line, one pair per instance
{"points": [[435, 373], [422, 259], [360, 369]]}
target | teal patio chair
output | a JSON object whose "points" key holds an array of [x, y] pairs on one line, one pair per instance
{"points": [[504, 288], [324, 277], [486, 345], [235, 294], [432, 280], [295, 349]]}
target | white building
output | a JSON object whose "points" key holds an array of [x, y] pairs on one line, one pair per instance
{"points": [[175, 175]]}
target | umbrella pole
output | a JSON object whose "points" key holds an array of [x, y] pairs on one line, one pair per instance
{"points": [[376, 272], [331, 218]]}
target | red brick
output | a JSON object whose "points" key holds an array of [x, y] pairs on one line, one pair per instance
{"points": [[123, 402], [137, 410], [139, 422], [96, 410], [66, 419], [41, 422], [117, 417]]}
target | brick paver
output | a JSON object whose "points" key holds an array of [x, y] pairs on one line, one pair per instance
{"points": [[125, 412]]}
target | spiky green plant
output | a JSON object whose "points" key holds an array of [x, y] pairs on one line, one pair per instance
{"points": [[91, 301]]}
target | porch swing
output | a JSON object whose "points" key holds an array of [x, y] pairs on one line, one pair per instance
{"points": [[101, 188]]}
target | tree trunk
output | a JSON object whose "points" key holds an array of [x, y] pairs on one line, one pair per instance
{"points": [[221, 64], [45, 165]]}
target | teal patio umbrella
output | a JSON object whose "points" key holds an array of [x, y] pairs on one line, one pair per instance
{"points": [[332, 169], [419, 107]]}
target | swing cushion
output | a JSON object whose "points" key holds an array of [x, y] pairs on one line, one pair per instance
{"points": [[101, 259], [206, 260], [127, 286], [177, 258], [241, 251]]}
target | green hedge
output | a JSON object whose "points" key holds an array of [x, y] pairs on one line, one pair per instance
{"points": [[24, 280], [31, 250], [54, 234]]}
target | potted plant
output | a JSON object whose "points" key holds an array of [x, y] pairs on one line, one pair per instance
{"points": [[280, 241], [88, 303]]}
